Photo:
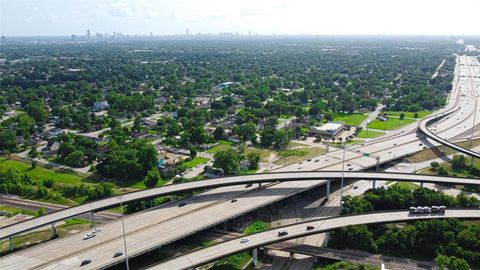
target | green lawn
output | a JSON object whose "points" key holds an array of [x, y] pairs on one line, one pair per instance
{"points": [[354, 119], [370, 134], [219, 147], [39, 174], [421, 114], [295, 155], [70, 227], [264, 153], [256, 226], [236, 261], [408, 185], [390, 124], [344, 266], [13, 211], [195, 162]]}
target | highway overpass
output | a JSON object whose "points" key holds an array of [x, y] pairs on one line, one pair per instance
{"points": [[51, 218], [227, 248]]}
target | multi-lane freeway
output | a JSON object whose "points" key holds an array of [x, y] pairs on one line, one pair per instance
{"points": [[31, 224], [224, 249], [151, 229]]}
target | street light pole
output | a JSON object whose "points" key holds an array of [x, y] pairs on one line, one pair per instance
{"points": [[124, 236], [343, 170]]}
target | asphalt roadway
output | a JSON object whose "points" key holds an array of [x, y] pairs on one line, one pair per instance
{"points": [[224, 249]]}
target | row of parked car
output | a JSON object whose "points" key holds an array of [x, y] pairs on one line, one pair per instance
{"points": [[427, 209]]}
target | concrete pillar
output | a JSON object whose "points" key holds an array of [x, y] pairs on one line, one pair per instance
{"points": [[259, 185], [421, 184], [327, 237], [374, 182], [328, 189], [225, 226], [10, 240], [471, 161], [378, 163], [54, 231], [255, 257], [92, 218]]}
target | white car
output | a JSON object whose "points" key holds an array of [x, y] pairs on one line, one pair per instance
{"points": [[98, 229], [88, 236], [244, 240]]}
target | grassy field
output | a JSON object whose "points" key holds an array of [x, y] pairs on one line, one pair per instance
{"points": [[370, 134], [70, 227], [390, 124], [218, 148], [256, 226], [407, 185], [39, 174], [344, 266], [264, 153], [421, 114], [439, 151], [236, 261], [195, 162], [354, 119], [13, 211], [295, 155]]}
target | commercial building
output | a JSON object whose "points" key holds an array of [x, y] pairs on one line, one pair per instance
{"points": [[328, 129]]}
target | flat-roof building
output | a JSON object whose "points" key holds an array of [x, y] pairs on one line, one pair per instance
{"points": [[328, 129]]}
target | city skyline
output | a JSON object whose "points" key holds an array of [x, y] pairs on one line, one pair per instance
{"points": [[371, 17]]}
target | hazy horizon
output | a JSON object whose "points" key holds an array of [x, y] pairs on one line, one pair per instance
{"points": [[269, 17]]}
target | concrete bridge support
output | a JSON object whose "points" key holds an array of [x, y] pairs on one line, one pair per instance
{"points": [[92, 218], [255, 257], [54, 231], [328, 189], [10, 241]]}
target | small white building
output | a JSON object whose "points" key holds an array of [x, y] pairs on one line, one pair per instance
{"points": [[328, 129]]}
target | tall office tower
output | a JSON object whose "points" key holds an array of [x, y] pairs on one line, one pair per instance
{"points": [[3, 39], [88, 34], [186, 32]]}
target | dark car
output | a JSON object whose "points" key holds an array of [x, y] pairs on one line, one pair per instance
{"points": [[282, 233], [248, 185], [117, 254], [85, 262], [233, 200], [182, 204], [309, 228]]}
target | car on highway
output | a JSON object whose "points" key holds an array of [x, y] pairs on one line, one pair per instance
{"points": [[89, 235], [244, 240], [310, 227], [233, 200], [85, 262], [308, 160], [282, 233], [348, 164], [117, 254], [316, 160], [182, 204], [355, 187], [350, 169], [248, 185], [300, 167], [98, 229]]}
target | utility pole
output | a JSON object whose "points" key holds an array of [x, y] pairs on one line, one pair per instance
{"points": [[124, 236]]}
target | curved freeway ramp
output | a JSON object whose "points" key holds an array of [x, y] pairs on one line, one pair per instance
{"points": [[30, 224], [227, 248], [422, 125]]}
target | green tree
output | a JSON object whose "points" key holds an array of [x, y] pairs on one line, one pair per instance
{"points": [[458, 162], [434, 165], [227, 160], [7, 140], [402, 116], [152, 178], [219, 133], [254, 159], [36, 110], [41, 211], [75, 159]]}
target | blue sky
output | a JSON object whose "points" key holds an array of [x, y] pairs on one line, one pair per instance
{"points": [[65, 17]]}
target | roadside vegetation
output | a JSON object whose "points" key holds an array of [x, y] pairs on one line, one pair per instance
{"points": [[422, 239]]}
